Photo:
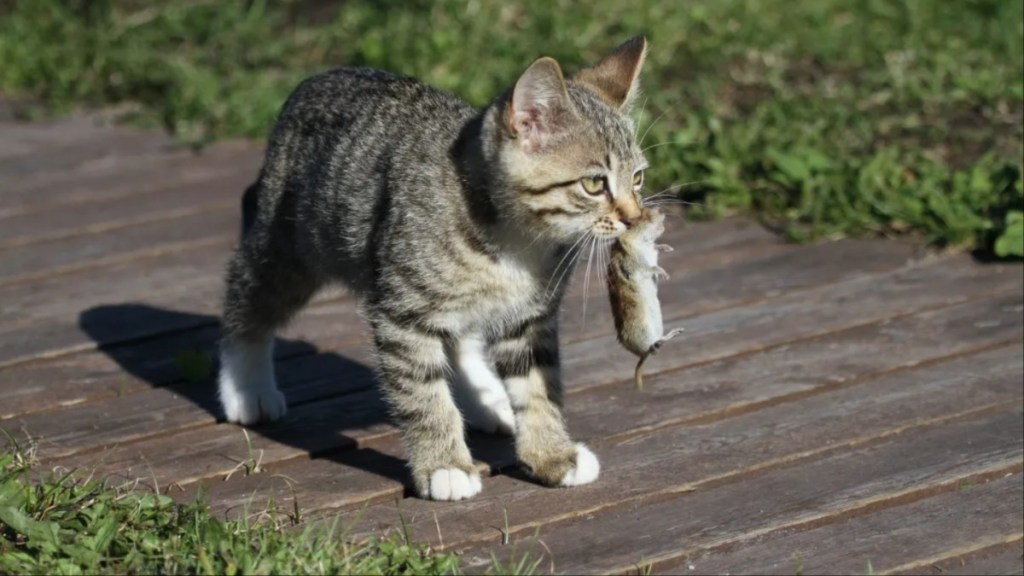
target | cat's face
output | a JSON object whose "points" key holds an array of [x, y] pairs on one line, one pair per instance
{"points": [[571, 154]]}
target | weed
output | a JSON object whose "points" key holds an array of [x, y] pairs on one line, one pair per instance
{"points": [[64, 524]]}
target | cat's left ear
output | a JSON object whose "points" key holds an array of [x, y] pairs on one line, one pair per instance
{"points": [[615, 77], [540, 108]]}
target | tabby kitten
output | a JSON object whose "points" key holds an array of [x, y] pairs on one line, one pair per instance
{"points": [[455, 227]]}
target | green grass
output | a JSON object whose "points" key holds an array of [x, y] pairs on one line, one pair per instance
{"points": [[62, 523], [823, 117]]}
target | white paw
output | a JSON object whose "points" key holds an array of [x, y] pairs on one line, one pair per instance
{"points": [[248, 391], [586, 470], [453, 484], [248, 407]]}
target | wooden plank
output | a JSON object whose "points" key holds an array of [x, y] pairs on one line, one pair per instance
{"points": [[75, 312], [186, 416], [18, 138], [105, 147], [144, 176], [699, 396], [665, 533], [319, 323], [142, 238], [883, 540], [673, 460], [221, 188], [994, 560]]}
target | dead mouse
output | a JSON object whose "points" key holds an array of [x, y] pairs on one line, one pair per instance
{"points": [[633, 275]]}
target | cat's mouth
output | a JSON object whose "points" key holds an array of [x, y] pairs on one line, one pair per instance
{"points": [[607, 229]]}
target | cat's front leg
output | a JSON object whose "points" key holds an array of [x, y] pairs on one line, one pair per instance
{"points": [[414, 365], [529, 365]]}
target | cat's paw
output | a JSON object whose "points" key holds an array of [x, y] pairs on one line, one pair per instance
{"points": [[248, 391], [451, 484], [494, 419], [585, 471], [251, 405]]}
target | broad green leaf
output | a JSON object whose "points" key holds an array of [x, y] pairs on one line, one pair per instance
{"points": [[792, 166], [39, 532], [1011, 241]]}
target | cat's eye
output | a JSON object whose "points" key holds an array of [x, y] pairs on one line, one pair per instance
{"points": [[638, 179], [593, 185]]}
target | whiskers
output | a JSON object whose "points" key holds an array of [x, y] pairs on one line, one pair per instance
{"points": [[566, 264], [600, 247], [666, 196], [648, 129], [596, 249]]}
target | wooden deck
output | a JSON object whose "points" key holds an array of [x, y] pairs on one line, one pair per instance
{"points": [[846, 407]]}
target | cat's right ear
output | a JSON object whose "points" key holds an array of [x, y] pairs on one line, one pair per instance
{"points": [[540, 107]]}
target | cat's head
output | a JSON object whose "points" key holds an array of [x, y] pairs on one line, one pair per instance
{"points": [[567, 149]]}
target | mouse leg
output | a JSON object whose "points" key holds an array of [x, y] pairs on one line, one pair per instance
{"points": [[659, 273], [663, 248], [658, 344]]}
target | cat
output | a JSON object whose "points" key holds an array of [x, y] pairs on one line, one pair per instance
{"points": [[457, 229]]}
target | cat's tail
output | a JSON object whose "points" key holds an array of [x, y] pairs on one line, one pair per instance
{"points": [[249, 207]]}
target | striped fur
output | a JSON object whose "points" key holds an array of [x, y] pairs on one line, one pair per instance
{"points": [[456, 227]]}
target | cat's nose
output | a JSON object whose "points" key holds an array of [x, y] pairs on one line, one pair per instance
{"points": [[629, 213]]}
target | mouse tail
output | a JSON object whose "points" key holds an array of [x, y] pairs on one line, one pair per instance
{"points": [[638, 373]]}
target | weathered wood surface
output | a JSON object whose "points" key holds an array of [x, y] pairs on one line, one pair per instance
{"points": [[829, 407]]}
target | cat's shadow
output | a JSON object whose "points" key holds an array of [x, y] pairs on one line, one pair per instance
{"points": [[185, 355]]}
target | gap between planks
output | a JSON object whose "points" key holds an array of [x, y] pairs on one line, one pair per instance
{"points": [[216, 240], [109, 226], [177, 170], [993, 544], [997, 558]]}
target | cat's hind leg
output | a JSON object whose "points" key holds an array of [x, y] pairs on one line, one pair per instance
{"points": [[265, 286], [479, 393]]}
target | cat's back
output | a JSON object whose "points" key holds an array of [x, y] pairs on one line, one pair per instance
{"points": [[352, 150], [365, 104]]}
